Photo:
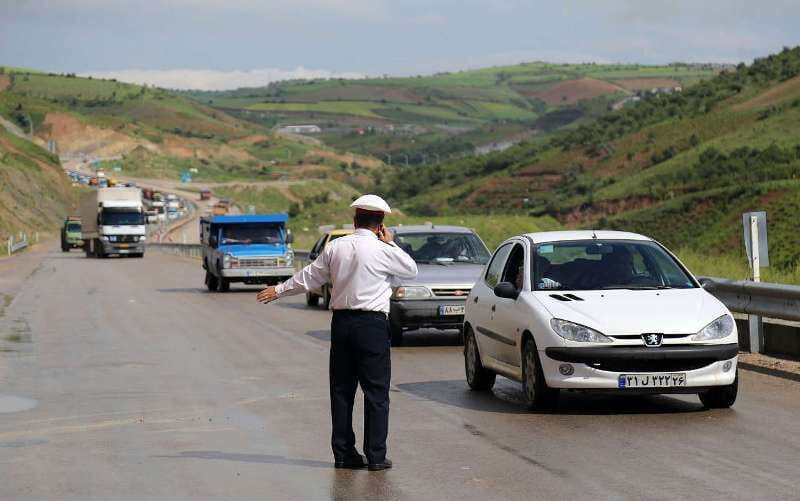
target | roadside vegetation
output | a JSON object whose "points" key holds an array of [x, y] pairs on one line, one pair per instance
{"points": [[679, 167]]}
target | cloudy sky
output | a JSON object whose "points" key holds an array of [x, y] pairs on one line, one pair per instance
{"points": [[216, 44]]}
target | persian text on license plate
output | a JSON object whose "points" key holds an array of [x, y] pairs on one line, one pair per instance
{"points": [[451, 309], [669, 380], [257, 273]]}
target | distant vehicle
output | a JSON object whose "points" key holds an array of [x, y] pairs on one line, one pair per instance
{"points": [[219, 209], [100, 174], [254, 249], [102, 182], [605, 310], [450, 260], [205, 194], [92, 181], [71, 234], [313, 297], [112, 222]]}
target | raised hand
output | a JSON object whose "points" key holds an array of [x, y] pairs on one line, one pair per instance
{"points": [[267, 295]]}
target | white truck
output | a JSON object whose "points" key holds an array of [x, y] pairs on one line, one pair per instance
{"points": [[113, 222]]}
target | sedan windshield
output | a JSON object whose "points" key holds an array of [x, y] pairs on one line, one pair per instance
{"points": [[443, 247], [607, 265], [251, 234]]}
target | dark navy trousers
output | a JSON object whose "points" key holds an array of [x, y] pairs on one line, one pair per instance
{"points": [[360, 356]]}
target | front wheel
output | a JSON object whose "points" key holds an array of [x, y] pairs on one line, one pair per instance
{"points": [[537, 394], [224, 285], [478, 377], [721, 397]]}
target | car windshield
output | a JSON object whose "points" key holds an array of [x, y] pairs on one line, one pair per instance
{"points": [[443, 248], [251, 234], [122, 217], [74, 228], [607, 265]]}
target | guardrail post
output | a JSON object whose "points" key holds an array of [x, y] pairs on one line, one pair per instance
{"points": [[10, 243], [755, 323]]}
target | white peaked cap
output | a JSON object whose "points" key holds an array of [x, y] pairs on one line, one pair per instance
{"points": [[372, 203]]}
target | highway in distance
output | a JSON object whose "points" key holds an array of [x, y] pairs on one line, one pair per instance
{"points": [[124, 379]]}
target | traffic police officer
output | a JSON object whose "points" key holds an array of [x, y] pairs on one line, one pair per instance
{"points": [[360, 267]]}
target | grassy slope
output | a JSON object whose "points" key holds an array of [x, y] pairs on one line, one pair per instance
{"points": [[35, 194], [525, 96], [159, 134], [681, 169]]}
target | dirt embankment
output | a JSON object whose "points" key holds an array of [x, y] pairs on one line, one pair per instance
{"points": [[647, 83], [581, 215], [73, 137], [5, 82], [572, 91], [344, 157]]}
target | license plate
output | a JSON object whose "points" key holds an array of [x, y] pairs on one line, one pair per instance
{"points": [[251, 273], [123, 246], [669, 380], [451, 309]]}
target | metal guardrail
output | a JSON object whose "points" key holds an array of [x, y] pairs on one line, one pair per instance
{"points": [[756, 298], [19, 245]]}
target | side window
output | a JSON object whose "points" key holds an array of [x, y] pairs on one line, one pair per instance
{"points": [[513, 272], [495, 269]]}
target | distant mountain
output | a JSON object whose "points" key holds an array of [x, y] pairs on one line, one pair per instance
{"points": [[678, 166], [423, 119]]}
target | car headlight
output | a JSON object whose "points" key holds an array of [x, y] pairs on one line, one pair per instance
{"points": [[718, 329], [411, 293], [577, 332], [142, 238], [289, 258], [226, 261]]}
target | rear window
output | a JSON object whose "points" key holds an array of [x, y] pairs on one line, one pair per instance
{"points": [[606, 265], [432, 247]]}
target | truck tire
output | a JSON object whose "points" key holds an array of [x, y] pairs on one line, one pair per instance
{"points": [[138, 254], [312, 299], [224, 285], [211, 282], [87, 248]]}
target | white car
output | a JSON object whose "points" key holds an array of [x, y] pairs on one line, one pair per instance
{"points": [[604, 310]]}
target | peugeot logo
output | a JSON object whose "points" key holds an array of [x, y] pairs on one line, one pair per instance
{"points": [[459, 293], [652, 340]]}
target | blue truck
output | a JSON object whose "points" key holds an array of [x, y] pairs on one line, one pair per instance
{"points": [[253, 249]]}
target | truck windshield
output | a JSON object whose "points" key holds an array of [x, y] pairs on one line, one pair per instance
{"points": [[121, 217], [251, 234], [73, 228], [443, 247], [606, 265]]}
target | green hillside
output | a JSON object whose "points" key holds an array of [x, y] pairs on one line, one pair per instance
{"points": [[680, 167], [149, 132], [417, 120], [35, 194]]}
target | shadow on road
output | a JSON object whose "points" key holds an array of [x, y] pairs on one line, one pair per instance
{"points": [[203, 290], [410, 340], [250, 458], [507, 397]]}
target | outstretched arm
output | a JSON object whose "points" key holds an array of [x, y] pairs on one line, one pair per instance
{"points": [[313, 276]]}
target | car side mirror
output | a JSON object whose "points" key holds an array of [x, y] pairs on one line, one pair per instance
{"points": [[289, 237], [506, 290]]}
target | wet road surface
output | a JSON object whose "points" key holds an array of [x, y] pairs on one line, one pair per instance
{"points": [[139, 384]]}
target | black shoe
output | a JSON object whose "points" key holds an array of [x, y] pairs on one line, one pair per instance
{"points": [[385, 465], [354, 461]]}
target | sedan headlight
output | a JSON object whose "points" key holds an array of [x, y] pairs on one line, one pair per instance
{"points": [[577, 332], [718, 329], [411, 293]]}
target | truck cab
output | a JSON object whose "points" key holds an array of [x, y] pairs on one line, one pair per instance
{"points": [[251, 249], [71, 234]]}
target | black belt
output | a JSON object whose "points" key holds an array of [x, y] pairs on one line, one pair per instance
{"points": [[358, 312]]}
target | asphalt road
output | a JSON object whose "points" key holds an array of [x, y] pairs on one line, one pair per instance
{"points": [[124, 379]]}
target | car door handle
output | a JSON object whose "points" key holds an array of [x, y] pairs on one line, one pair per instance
{"points": [[494, 307]]}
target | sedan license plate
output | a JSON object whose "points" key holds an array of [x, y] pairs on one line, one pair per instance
{"points": [[123, 246], [668, 380], [451, 309]]}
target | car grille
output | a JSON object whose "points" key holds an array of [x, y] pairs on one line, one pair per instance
{"points": [[258, 262], [461, 292], [127, 238], [677, 365]]}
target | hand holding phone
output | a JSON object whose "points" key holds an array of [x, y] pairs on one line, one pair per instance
{"points": [[385, 234]]}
